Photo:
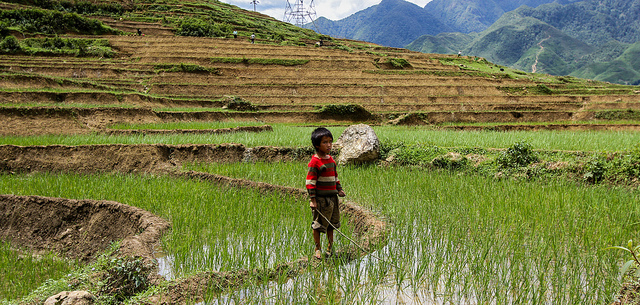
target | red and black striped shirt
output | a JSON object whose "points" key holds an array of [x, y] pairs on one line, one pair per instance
{"points": [[322, 177]]}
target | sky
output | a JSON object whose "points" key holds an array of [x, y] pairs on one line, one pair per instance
{"points": [[332, 9]]}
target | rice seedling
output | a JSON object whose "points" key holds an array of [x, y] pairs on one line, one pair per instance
{"points": [[213, 228], [185, 125], [463, 239], [286, 135], [21, 272]]}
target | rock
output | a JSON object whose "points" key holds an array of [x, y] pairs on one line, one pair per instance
{"points": [[70, 298], [359, 144]]}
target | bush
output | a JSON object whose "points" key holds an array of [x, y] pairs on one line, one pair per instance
{"points": [[186, 68], [348, 109], [450, 161], [125, 278], [519, 155], [53, 22], [4, 29], [68, 46], [196, 27], [10, 45], [414, 154], [399, 63], [594, 171], [80, 7], [238, 104]]}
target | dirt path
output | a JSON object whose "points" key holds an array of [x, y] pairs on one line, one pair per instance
{"points": [[534, 67]]}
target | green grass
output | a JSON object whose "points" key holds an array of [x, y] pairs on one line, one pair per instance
{"points": [[21, 272], [185, 125], [260, 61], [489, 124], [291, 136], [461, 239]]}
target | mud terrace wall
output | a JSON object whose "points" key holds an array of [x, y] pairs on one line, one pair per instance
{"points": [[131, 158], [79, 228]]}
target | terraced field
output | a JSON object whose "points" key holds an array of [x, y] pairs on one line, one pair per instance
{"points": [[74, 108], [286, 84]]}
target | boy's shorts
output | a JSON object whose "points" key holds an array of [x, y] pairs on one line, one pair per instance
{"points": [[328, 206]]}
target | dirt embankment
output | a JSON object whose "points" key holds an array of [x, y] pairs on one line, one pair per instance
{"points": [[139, 158], [78, 228], [55, 120]]}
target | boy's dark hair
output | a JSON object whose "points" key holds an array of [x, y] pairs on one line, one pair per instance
{"points": [[317, 134]]}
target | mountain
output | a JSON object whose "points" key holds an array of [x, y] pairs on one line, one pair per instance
{"points": [[393, 23], [468, 16], [623, 70], [592, 21], [594, 39], [528, 44]]}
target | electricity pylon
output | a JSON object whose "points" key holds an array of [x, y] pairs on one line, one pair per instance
{"points": [[298, 14]]}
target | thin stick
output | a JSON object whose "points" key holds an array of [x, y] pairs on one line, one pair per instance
{"points": [[357, 245]]}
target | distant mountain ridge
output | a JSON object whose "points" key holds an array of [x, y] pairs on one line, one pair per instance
{"points": [[394, 23], [477, 15], [590, 38]]}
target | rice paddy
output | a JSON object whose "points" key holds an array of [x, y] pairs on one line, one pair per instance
{"points": [[463, 239], [285, 135], [21, 271], [213, 228]]}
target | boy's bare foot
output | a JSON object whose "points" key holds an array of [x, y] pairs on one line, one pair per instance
{"points": [[318, 254], [329, 252]]}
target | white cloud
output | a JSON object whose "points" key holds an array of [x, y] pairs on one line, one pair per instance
{"points": [[332, 9]]}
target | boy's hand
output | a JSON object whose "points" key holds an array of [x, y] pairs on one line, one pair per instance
{"points": [[312, 204], [341, 193]]}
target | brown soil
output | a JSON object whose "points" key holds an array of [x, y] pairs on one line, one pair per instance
{"points": [[80, 229], [55, 120]]}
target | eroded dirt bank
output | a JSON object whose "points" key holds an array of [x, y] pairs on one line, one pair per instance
{"points": [[78, 228], [56, 120]]}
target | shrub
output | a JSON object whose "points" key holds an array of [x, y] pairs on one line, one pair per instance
{"points": [[187, 68], [519, 155], [10, 44], [80, 7], [126, 277], [414, 154], [53, 22], [348, 109], [68, 46], [594, 171], [542, 89], [4, 29], [399, 63], [237, 103], [197, 27], [450, 161]]}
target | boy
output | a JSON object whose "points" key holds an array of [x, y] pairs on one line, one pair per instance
{"points": [[324, 188]]}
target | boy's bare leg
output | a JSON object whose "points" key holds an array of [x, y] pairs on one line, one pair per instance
{"points": [[329, 238], [316, 239]]}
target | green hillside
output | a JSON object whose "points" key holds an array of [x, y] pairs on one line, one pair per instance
{"points": [[206, 18], [624, 69]]}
